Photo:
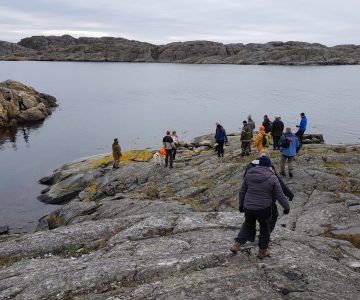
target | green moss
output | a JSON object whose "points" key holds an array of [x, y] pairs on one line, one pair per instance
{"points": [[8, 260], [333, 164], [54, 221], [169, 192], [151, 190]]}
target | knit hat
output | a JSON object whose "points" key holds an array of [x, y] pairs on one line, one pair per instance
{"points": [[264, 161], [264, 152], [261, 128], [168, 132]]}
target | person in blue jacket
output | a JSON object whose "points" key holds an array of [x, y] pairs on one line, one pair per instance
{"points": [[220, 139], [289, 145], [302, 128]]}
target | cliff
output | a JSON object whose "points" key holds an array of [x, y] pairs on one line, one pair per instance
{"points": [[146, 232], [67, 48]]}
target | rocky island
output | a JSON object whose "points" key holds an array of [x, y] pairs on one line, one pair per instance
{"points": [[147, 232], [68, 48], [23, 104]]}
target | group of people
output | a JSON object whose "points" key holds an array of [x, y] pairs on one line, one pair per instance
{"points": [[170, 143], [262, 187]]}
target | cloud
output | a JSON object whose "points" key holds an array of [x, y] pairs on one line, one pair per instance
{"points": [[162, 21]]}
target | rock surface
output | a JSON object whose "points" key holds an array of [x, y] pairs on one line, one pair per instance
{"points": [[20, 104], [67, 48], [146, 232]]}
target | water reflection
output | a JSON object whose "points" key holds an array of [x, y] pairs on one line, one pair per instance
{"points": [[12, 135]]}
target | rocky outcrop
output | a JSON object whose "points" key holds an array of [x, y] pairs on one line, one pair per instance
{"points": [[67, 48], [146, 232], [20, 104]]}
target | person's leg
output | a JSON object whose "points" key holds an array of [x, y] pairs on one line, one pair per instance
{"points": [[290, 166], [282, 165], [248, 229], [300, 134], [264, 218], [218, 149], [243, 148], [167, 158], [222, 149], [171, 154], [174, 154], [276, 141], [274, 216]]}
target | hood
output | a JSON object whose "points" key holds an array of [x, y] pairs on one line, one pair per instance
{"points": [[258, 174]]}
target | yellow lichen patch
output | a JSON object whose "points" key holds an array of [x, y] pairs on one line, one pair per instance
{"points": [[136, 155], [103, 161], [54, 221], [92, 188]]}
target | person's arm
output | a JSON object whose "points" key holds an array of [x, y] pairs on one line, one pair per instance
{"points": [[226, 139], [288, 193]]}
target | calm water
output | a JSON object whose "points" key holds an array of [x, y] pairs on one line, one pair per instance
{"points": [[138, 102]]}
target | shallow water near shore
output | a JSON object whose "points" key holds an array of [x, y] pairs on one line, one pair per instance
{"points": [[138, 102]]}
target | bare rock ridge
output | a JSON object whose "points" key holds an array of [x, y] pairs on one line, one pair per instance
{"points": [[68, 48], [21, 104], [147, 232]]}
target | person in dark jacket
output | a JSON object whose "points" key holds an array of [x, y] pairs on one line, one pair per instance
{"points": [[257, 193], [267, 124], [286, 190], [277, 129], [220, 139], [245, 139], [168, 142], [302, 128]]}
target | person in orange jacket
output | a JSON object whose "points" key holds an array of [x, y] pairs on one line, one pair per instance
{"points": [[259, 137]]}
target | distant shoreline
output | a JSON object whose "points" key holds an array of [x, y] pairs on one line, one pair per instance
{"points": [[109, 49]]}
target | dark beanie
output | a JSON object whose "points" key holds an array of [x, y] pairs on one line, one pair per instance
{"points": [[264, 161]]}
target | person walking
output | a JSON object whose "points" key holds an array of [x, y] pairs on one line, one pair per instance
{"points": [[116, 150], [168, 142], [277, 129], [302, 128], [267, 124], [245, 139], [286, 190], [262, 139], [220, 139], [289, 144], [258, 191], [175, 138]]}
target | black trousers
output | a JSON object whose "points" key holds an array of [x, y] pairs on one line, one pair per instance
{"points": [[169, 156], [220, 148], [248, 229], [276, 142], [274, 217], [174, 154], [300, 134]]}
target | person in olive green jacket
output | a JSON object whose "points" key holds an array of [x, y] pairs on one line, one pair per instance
{"points": [[245, 139], [116, 149]]}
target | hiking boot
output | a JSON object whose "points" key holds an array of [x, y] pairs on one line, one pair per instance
{"points": [[282, 173], [291, 175], [236, 247], [263, 253]]}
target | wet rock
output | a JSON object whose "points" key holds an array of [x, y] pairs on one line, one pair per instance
{"points": [[4, 229]]}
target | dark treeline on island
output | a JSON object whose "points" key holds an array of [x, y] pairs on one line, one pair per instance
{"points": [[68, 48]]}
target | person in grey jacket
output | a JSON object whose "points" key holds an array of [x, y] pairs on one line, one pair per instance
{"points": [[258, 191]]}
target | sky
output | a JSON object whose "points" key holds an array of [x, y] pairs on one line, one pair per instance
{"points": [[329, 22]]}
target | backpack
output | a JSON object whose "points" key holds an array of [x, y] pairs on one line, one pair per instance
{"points": [[265, 140], [286, 143]]}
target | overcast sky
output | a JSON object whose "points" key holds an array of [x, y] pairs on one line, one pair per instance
{"points": [[329, 22]]}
